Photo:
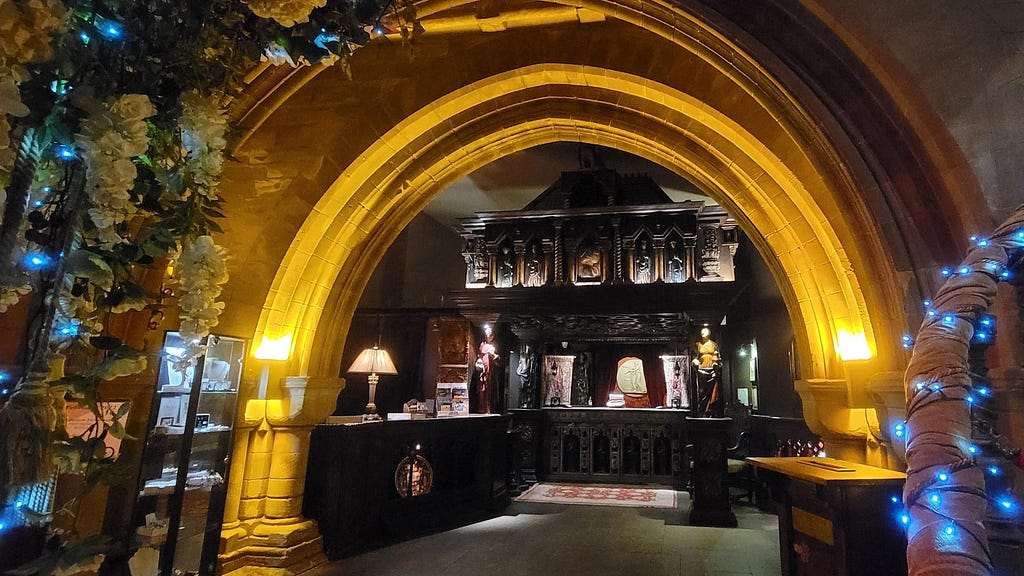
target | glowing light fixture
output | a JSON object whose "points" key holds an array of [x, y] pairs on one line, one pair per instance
{"points": [[373, 362], [274, 348], [853, 346]]}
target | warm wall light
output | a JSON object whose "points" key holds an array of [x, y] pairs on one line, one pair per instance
{"points": [[270, 349], [374, 362], [853, 346], [274, 348]]}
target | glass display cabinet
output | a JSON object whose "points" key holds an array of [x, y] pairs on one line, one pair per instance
{"points": [[185, 461]]}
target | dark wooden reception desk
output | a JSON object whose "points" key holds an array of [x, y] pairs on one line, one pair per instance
{"points": [[630, 446], [836, 517], [355, 473]]}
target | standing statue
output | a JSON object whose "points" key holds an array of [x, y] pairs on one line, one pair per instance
{"points": [[506, 269], [486, 361], [534, 268], [675, 263], [709, 364], [643, 265], [581, 388], [526, 371]]}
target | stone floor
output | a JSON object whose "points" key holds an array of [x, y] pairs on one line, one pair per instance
{"points": [[533, 539]]}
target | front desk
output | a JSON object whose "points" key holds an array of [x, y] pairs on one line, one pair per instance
{"points": [[356, 473], [836, 517], [630, 446]]}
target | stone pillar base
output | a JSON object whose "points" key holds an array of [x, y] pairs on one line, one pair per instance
{"points": [[287, 549]]}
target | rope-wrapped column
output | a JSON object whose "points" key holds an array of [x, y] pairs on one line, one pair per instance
{"points": [[945, 489]]}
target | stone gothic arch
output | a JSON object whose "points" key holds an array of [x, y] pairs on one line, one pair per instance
{"points": [[724, 111]]}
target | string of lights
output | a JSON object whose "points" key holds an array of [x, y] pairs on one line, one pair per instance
{"points": [[945, 502]]}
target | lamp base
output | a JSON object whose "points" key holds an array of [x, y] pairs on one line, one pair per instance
{"points": [[371, 417]]}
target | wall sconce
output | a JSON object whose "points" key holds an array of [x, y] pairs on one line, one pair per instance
{"points": [[271, 349], [374, 362], [853, 346]]}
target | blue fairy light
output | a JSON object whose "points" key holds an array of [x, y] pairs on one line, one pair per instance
{"points": [[84, 37], [949, 530], [935, 387], [19, 504], [68, 330], [983, 391], [36, 260], [908, 341], [943, 477], [927, 303], [983, 242], [981, 336], [65, 152], [947, 271], [1004, 275], [974, 238], [324, 38], [904, 518], [969, 399], [964, 270], [5, 391], [986, 321], [894, 499], [949, 320], [38, 203], [993, 470], [1006, 503], [972, 449], [934, 499], [1020, 235], [932, 313], [899, 430]]}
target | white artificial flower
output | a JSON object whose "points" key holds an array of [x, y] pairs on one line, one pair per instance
{"points": [[285, 12], [133, 107], [10, 295], [202, 272]]}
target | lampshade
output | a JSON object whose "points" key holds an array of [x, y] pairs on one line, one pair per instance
{"points": [[373, 361]]}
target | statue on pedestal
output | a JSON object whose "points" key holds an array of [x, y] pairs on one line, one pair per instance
{"points": [[506, 268], [675, 263], [534, 268], [526, 371], [709, 368], [486, 361], [643, 265]]}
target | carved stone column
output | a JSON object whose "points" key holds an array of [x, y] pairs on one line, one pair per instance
{"points": [[520, 254], [616, 250], [559, 264], [658, 274], [689, 270], [266, 531]]}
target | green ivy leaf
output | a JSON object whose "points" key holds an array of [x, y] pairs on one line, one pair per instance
{"points": [[90, 265]]}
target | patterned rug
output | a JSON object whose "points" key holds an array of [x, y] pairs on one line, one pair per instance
{"points": [[599, 495]]}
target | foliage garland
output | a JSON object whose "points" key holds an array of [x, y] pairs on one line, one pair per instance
{"points": [[112, 135]]}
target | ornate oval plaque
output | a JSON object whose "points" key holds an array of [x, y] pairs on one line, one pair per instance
{"points": [[414, 476]]}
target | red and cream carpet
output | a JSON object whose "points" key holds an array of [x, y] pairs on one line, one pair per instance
{"points": [[598, 495]]}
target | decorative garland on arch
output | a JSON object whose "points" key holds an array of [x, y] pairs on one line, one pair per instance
{"points": [[945, 496]]}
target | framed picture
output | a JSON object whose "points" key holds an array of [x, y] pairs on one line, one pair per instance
{"points": [[202, 420], [167, 421]]}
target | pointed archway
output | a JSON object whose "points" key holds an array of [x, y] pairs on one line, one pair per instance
{"points": [[774, 157]]}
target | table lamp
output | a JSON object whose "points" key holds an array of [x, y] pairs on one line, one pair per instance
{"points": [[374, 362]]}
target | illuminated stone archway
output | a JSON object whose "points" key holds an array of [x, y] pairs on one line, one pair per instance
{"points": [[360, 215], [321, 279], [784, 171]]}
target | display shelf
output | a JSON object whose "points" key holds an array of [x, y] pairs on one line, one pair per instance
{"points": [[185, 462]]}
